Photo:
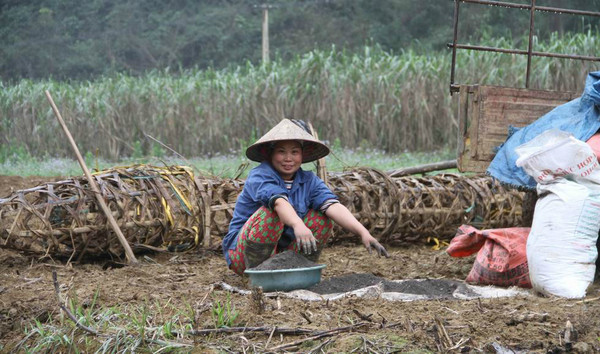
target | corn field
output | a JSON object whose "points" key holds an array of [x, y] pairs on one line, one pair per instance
{"points": [[391, 101]]}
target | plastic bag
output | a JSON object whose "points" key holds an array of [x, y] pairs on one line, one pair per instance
{"points": [[501, 259], [555, 154], [580, 117]]}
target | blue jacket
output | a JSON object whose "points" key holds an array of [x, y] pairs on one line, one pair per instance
{"points": [[308, 192], [580, 117]]}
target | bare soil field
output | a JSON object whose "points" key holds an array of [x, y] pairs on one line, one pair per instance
{"points": [[165, 282]]}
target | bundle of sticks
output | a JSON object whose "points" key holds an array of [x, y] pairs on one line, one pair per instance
{"points": [[172, 208]]}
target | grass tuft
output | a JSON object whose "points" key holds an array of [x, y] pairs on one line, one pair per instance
{"points": [[223, 313], [126, 328], [230, 166]]}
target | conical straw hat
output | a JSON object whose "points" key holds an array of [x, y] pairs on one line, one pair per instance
{"points": [[312, 149]]}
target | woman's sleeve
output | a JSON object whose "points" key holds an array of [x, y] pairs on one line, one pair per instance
{"points": [[320, 193], [264, 188]]}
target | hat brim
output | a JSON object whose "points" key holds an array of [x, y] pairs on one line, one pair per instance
{"points": [[312, 148], [311, 151]]}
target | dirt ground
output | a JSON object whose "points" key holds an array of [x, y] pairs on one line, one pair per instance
{"points": [[516, 324]]}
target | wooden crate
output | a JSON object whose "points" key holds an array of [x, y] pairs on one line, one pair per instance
{"points": [[486, 112]]}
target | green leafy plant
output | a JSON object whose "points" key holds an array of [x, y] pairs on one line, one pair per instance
{"points": [[167, 330], [223, 313], [139, 320], [138, 151], [14, 153], [158, 151]]}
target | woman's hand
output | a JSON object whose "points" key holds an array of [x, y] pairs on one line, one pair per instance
{"points": [[342, 216], [371, 243], [305, 238]]}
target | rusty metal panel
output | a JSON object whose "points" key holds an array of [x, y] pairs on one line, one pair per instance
{"points": [[486, 112]]}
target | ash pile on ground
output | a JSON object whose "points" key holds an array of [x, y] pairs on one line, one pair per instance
{"points": [[285, 260], [436, 288]]}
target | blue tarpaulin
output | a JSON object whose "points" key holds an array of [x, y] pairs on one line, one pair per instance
{"points": [[580, 117]]}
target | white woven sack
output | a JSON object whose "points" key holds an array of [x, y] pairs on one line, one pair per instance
{"points": [[561, 247]]}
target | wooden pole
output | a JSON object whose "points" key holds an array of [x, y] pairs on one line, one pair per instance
{"points": [[265, 34], [430, 167], [321, 169], [113, 223]]}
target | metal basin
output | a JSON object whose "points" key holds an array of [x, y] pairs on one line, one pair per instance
{"points": [[285, 279]]}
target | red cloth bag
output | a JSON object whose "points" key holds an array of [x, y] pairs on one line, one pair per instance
{"points": [[501, 257]]}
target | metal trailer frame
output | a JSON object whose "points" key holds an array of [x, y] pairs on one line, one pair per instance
{"points": [[486, 112], [529, 52]]}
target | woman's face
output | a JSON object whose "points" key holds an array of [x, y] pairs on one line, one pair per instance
{"points": [[286, 158]]}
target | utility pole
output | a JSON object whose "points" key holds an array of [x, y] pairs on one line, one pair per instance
{"points": [[265, 34]]}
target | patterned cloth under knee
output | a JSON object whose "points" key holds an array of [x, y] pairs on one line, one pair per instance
{"points": [[265, 227]]}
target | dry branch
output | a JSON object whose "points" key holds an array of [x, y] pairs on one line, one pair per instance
{"points": [[568, 336], [278, 330], [329, 333], [66, 310], [444, 341], [318, 348]]}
